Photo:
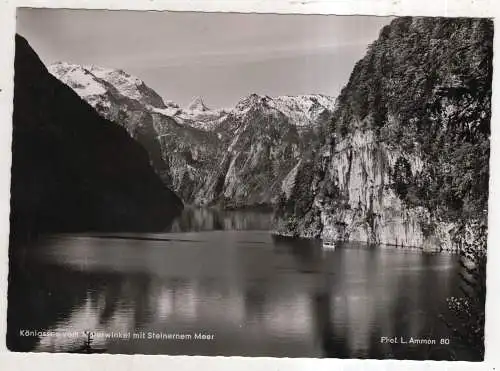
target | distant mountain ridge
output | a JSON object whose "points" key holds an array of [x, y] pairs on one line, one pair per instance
{"points": [[236, 156], [98, 85]]}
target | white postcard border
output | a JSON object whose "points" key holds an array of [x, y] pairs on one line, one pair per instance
{"points": [[25, 361]]}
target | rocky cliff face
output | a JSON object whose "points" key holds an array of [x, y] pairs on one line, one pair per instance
{"points": [[72, 170], [410, 132], [263, 138], [192, 154], [230, 157], [245, 152]]}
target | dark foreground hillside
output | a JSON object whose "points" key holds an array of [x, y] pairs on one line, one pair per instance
{"points": [[73, 170]]}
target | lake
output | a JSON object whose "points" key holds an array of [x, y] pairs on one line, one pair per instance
{"points": [[222, 279]]}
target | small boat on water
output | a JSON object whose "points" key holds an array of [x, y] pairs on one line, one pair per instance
{"points": [[329, 244]]}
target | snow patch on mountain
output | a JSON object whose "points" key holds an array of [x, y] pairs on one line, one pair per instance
{"points": [[289, 181], [81, 80]]}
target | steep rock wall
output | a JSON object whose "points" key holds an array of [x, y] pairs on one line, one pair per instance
{"points": [[360, 167], [405, 160]]}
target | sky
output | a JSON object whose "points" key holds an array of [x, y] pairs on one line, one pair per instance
{"points": [[221, 57]]}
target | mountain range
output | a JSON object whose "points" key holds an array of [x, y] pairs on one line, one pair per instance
{"points": [[233, 157]]}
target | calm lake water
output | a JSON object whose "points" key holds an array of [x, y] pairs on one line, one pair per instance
{"points": [[225, 276]]}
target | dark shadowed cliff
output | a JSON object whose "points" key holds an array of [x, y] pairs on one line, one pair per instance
{"points": [[72, 170], [407, 154]]}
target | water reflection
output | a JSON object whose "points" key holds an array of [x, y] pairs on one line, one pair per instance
{"points": [[209, 219], [260, 296]]}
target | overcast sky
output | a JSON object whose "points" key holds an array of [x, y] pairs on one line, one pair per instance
{"points": [[220, 57]]}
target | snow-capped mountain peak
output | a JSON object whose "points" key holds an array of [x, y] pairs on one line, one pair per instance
{"points": [[302, 110], [79, 78], [90, 80], [198, 105]]}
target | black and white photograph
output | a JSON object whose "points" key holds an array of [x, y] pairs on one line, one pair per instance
{"points": [[249, 184]]}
